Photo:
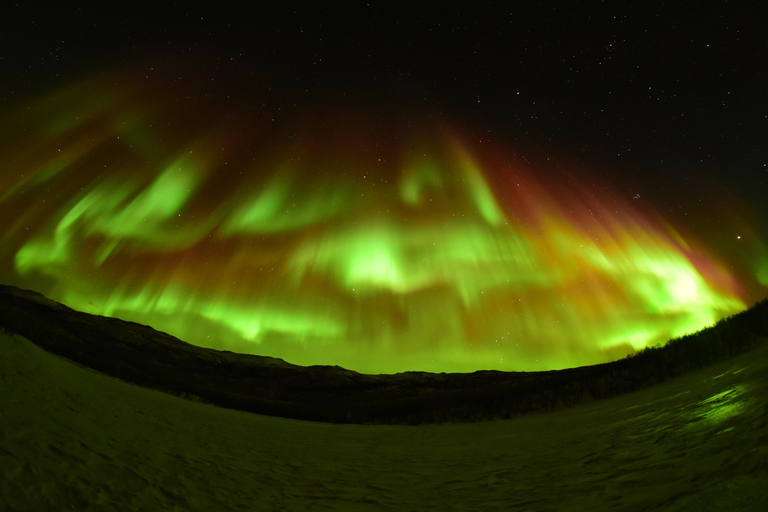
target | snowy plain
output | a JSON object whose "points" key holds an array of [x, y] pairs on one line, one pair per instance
{"points": [[75, 439]]}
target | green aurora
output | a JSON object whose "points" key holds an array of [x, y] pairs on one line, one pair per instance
{"points": [[335, 239]]}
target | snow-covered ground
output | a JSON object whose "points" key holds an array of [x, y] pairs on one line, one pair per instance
{"points": [[75, 439]]}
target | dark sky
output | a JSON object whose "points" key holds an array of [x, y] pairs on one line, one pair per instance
{"points": [[663, 95], [677, 86]]}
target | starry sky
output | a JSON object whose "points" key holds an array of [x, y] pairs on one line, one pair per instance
{"points": [[389, 188]]}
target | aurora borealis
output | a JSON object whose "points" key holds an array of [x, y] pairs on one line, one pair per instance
{"points": [[479, 186], [343, 235]]}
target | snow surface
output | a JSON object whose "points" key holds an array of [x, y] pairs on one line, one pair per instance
{"points": [[74, 439]]}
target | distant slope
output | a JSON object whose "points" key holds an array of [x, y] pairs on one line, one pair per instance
{"points": [[265, 385]]}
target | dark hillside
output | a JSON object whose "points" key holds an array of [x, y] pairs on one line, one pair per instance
{"points": [[265, 385]]}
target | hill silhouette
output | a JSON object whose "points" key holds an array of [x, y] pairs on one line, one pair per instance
{"points": [[271, 386]]}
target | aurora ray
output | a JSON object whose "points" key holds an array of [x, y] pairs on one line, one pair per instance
{"points": [[339, 239]]}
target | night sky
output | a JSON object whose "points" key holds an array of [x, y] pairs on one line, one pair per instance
{"points": [[386, 186]]}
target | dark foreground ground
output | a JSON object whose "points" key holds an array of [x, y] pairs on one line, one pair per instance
{"points": [[270, 386], [75, 439]]}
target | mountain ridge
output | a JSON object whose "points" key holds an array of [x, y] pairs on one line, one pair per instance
{"points": [[272, 386]]}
